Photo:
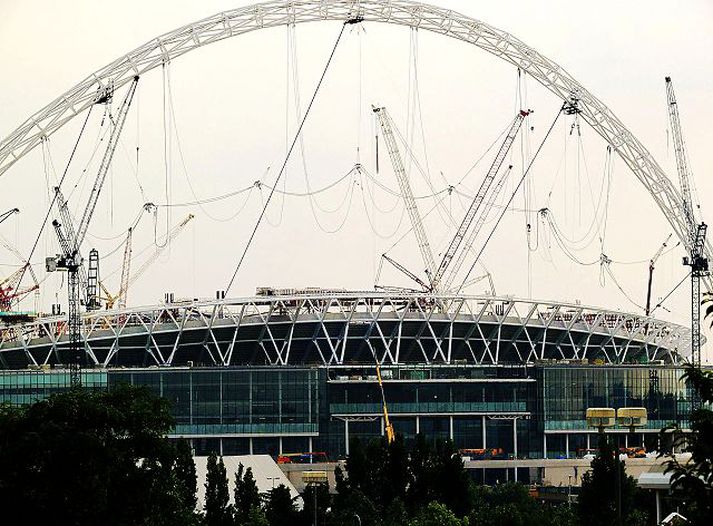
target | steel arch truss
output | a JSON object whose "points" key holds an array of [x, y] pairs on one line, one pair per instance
{"points": [[351, 328], [400, 12]]}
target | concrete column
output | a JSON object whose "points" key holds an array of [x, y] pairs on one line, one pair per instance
{"points": [[566, 445], [220, 446], [310, 446], [658, 506], [589, 444], [279, 447], [450, 427], [626, 440], [418, 425], [346, 436], [251, 445], [485, 435], [544, 446], [514, 436]]}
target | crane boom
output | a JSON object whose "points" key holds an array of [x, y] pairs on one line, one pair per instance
{"points": [[105, 163], [7, 214], [125, 270], [385, 123], [70, 235], [652, 263], [470, 215], [679, 147], [127, 279]]}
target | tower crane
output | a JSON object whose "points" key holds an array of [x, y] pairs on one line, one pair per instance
{"points": [[70, 241], [386, 125], [464, 231], [652, 263], [127, 279], [696, 258]]}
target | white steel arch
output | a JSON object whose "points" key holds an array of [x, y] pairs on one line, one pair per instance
{"points": [[400, 12]]}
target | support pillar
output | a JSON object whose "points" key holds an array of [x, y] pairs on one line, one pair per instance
{"points": [[566, 445], [544, 446], [346, 436], [485, 434], [450, 427]]}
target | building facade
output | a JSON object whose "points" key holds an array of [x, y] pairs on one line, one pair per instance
{"points": [[295, 373]]}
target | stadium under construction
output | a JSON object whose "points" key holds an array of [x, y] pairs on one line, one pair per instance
{"points": [[291, 371]]}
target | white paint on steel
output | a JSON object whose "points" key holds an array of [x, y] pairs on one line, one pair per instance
{"points": [[446, 22]]}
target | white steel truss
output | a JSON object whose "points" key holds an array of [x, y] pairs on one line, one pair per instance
{"points": [[344, 328], [220, 26]]}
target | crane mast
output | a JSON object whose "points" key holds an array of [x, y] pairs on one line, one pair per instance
{"points": [[696, 258], [464, 228], [70, 240], [385, 123]]}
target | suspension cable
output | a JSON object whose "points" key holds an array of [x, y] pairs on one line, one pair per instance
{"points": [[287, 157]]}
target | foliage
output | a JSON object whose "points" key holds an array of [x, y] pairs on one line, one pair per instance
{"points": [[692, 480], [245, 493], [598, 495], [218, 511], [510, 504], [88, 457], [436, 514], [280, 509]]}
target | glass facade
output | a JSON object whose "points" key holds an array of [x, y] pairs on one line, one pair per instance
{"points": [[526, 411]]}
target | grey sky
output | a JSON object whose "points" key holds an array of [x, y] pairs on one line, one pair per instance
{"points": [[231, 102]]}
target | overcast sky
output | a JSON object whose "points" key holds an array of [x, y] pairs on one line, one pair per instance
{"points": [[234, 111]]}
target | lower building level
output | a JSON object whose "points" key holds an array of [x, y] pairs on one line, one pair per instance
{"points": [[514, 412]]}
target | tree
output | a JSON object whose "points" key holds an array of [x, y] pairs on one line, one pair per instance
{"points": [[436, 514], [280, 508], [217, 508], [245, 493], [185, 469], [692, 481], [598, 498], [87, 457]]}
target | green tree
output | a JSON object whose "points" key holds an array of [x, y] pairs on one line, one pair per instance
{"points": [[598, 495], [185, 470], [257, 517], [436, 514], [245, 493], [280, 508], [217, 508], [692, 481], [88, 457]]}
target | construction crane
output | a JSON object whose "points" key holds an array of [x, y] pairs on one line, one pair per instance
{"points": [[7, 214], [652, 263], [70, 241], [127, 279], [386, 125], [388, 426], [696, 258], [464, 231], [9, 293]]}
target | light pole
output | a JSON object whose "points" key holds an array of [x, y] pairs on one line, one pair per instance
{"points": [[628, 417]]}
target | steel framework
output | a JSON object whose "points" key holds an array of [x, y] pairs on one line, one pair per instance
{"points": [[350, 328], [446, 22]]}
